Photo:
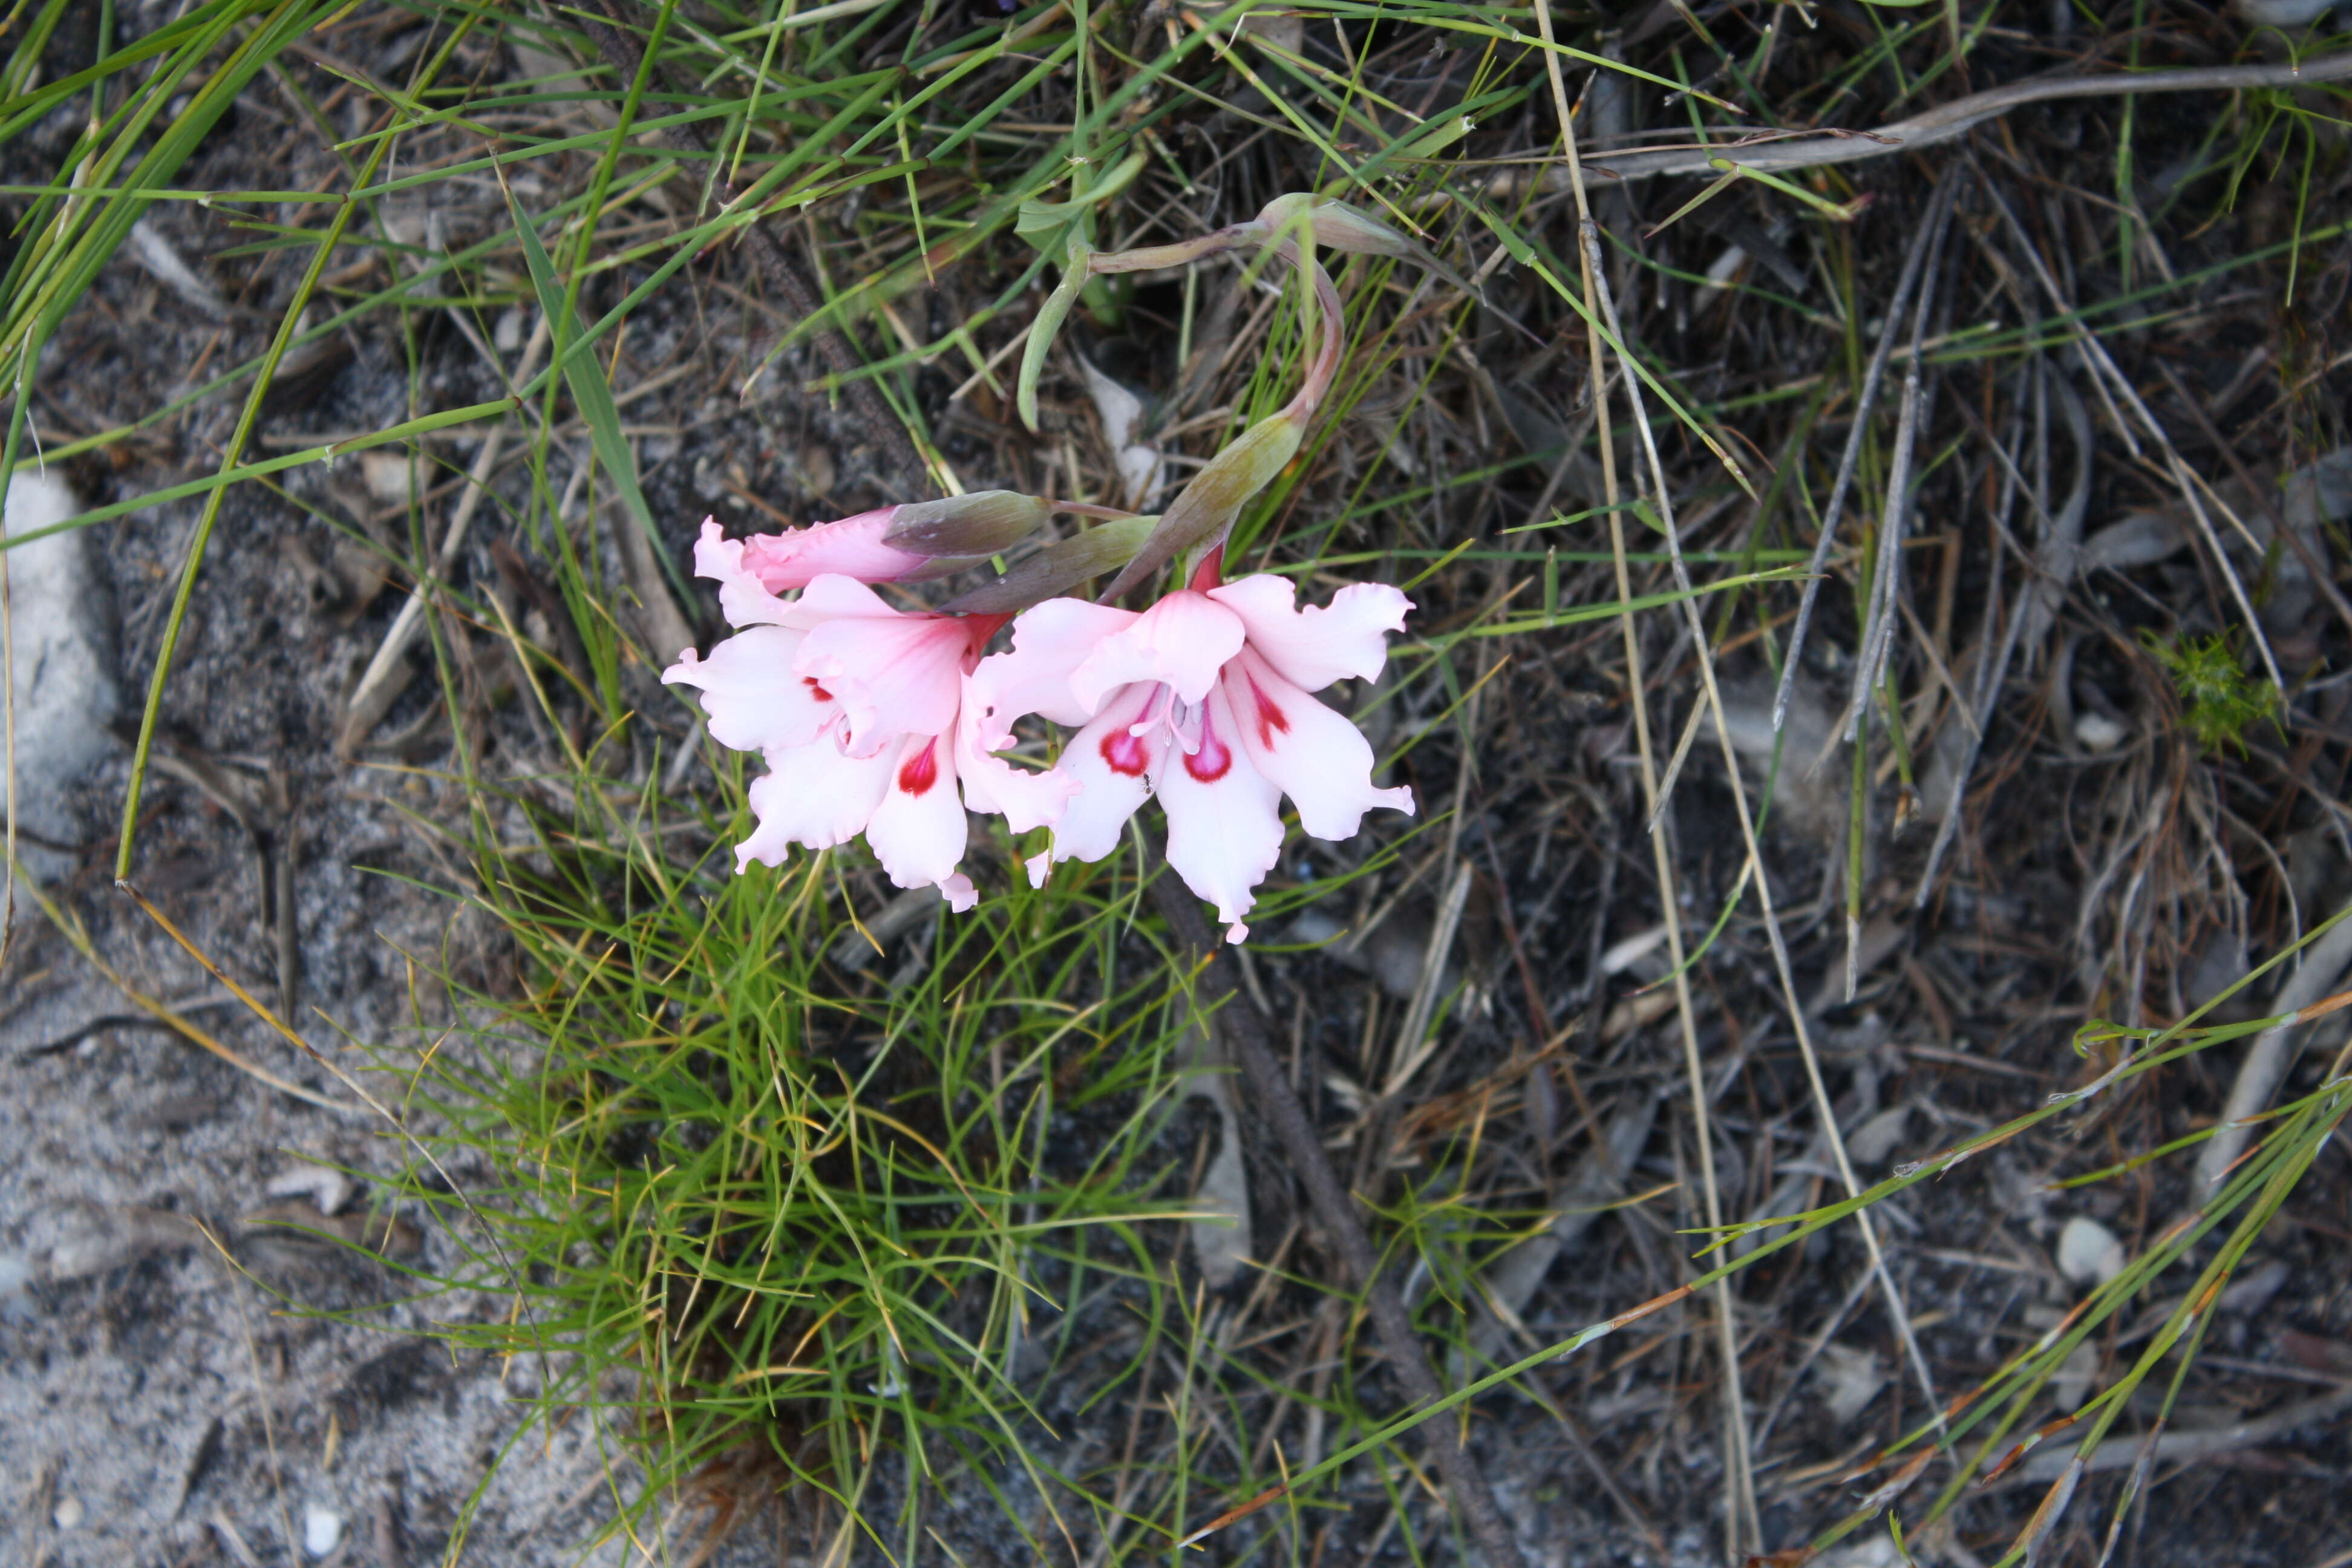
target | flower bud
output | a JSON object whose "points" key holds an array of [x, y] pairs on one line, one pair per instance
{"points": [[1208, 506], [1333, 224], [974, 525], [854, 547]]}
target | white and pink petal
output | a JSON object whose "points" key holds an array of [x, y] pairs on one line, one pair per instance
{"points": [[853, 547], [1027, 800], [750, 695], [1224, 818], [1314, 646], [894, 674], [1318, 758], [742, 597], [1113, 769], [1180, 642], [812, 795], [1050, 641], [919, 831]]}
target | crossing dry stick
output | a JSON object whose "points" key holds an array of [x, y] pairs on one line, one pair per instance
{"points": [[1244, 1029], [1744, 1531]]}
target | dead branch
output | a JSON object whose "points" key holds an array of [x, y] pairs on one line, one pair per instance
{"points": [[1245, 1031], [1943, 123]]}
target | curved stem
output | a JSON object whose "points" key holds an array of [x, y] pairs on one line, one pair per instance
{"points": [[1152, 257], [1327, 361]]}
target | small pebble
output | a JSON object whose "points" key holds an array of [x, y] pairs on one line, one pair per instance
{"points": [[2097, 733], [389, 476], [1876, 1137], [2071, 1385], [68, 1513], [322, 1530], [2088, 1252], [328, 1190]]}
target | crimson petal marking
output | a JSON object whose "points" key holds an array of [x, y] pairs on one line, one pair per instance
{"points": [[1089, 827], [1125, 752], [1212, 759], [921, 770], [1270, 719]]}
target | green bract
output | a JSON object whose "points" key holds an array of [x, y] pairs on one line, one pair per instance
{"points": [[981, 523], [1209, 505]]}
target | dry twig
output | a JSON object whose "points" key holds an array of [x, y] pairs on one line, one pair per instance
{"points": [[1245, 1031], [1961, 116]]}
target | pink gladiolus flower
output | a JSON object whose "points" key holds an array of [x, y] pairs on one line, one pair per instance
{"points": [[860, 711], [1201, 699]]}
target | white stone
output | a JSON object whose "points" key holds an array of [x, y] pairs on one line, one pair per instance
{"points": [[322, 1530], [1851, 1378], [68, 1513], [328, 1190], [2088, 1252], [2284, 13], [390, 477], [62, 647], [2097, 733], [2072, 1382], [1876, 1139], [1877, 1551]]}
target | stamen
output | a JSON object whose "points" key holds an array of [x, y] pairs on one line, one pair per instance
{"points": [[1155, 707], [1188, 722]]}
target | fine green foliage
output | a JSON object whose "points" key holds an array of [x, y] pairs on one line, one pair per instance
{"points": [[2218, 701], [820, 1227]]}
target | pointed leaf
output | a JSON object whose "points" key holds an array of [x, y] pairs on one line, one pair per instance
{"points": [[1043, 330], [1209, 505], [1056, 568], [1332, 224]]}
